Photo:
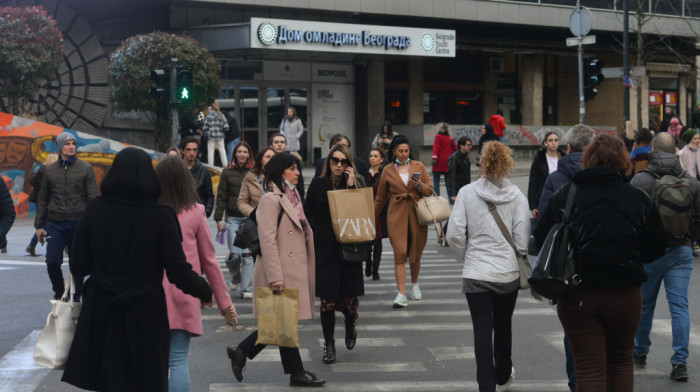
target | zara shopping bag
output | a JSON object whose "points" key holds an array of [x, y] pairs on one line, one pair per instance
{"points": [[278, 317], [352, 215], [554, 273], [52, 345]]}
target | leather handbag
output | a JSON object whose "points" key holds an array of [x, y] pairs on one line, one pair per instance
{"points": [[53, 344], [247, 233], [523, 263], [434, 209], [355, 253], [554, 273]]}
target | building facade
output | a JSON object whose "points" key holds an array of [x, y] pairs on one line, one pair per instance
{"points": [[346, 66]]}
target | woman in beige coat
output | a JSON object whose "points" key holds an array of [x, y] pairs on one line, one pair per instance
{"points": [[287, 261], [251, 188], [403, 183]]}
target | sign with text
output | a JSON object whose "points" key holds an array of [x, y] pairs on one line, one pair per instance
{"points": [[350, 38]]}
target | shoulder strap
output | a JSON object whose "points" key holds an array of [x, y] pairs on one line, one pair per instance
{"points": [[656, 175], [569, 201], [501, 225]]}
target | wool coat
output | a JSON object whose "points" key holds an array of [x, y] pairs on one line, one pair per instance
{"points": [[407, 237], [334, 278], [286, 254], [443, 146], [539, 170], [122, 341], [184, 311], [250, 195]]}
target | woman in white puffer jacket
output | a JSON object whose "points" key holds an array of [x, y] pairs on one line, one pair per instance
{"points": [[491, 276]]}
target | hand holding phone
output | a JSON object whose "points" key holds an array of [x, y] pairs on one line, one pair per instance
{"points": [[416, 176]]}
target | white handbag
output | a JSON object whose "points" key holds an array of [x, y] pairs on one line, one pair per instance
{"points": [[52, 345], [434, 209]]}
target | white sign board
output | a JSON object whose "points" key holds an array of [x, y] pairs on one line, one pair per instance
{"points": [[288, 34], [332, 111]]}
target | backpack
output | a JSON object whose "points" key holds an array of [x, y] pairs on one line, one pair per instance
{"points": [[674, 200]]}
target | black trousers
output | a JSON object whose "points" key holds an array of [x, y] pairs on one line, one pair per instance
{"points": [[491, 316], [291, 360]]}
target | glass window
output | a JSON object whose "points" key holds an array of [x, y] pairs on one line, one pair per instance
{"points": [[692, 8], [668, 7], [249, 107], [453, 107], [244, 71], [396, 71], [275, 106], [396, 106]]}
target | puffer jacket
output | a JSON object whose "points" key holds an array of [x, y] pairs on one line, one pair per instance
{"points": [[65, 189], [616, 226], [473, 234], [566, 168], [227, 194], [663, 163], [7, 213], [205, 191]]}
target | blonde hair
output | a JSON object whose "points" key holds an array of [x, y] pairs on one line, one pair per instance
{"points": [[496, 160], [51, 158]]}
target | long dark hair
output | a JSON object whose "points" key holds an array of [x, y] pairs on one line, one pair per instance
{"points": [[398, 140], [275, 168], [345, 150], [489, 129], [234, 161], [131, 177], [257, 166], [178, 190]]}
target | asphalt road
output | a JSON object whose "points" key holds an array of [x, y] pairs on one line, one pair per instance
{"points": [[427, 346]]}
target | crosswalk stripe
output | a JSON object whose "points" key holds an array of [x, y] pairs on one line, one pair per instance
{"points": [[402, 327], [452, 353], [377, 367], [664, 327], [374, 342], [272, 354], [18, 372], [396, 386]]}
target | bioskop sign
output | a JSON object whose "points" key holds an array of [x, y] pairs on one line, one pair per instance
{"points": [[350, 38]]}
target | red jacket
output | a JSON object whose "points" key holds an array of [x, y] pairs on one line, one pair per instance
{"points": [[498, 124], [443, 146]]}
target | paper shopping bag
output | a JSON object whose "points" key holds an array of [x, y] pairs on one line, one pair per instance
{"points": [[278, 317], [352, 215]]}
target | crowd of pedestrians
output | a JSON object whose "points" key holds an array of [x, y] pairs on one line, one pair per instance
{"points": [[136, 323]]}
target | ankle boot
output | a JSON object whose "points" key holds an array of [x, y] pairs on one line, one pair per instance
{"points": [[375, 270], [350, 332], [329, 351], [368, 268]]}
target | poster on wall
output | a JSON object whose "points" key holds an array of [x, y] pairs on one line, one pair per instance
{"points": [[333, 106]]}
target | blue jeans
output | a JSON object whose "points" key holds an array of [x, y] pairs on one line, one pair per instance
{"points": [[436, 183], [59, 236], [674, 269], [229, 148], [179, 380], [247, 266]]}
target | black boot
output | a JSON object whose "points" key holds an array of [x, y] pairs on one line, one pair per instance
{"points": [[375, 270], [350, 332], [368, 268], [237, 361], [329, 351]]}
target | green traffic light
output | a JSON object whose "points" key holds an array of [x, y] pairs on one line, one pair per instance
{"points": [[185, 94]]}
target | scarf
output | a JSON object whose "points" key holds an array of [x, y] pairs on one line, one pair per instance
{"points": [[293, 196]]}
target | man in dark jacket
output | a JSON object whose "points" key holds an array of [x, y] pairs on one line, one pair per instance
{"points": [[577, 138], [7, 213], [458, 167], [674, 268], [67, 186], [201, 175]]}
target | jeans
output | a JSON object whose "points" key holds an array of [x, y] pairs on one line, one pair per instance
{"points": [[600, 325], [492, 320], [33, 241], [179, 380], [436, 183], [246, 267], [229, 148], [216, 144], [59, 236], [674, 269]]}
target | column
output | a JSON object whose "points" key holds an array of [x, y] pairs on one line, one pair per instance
{"points": [[375, 95], [415, 91], [533, 82], [490, 94]]}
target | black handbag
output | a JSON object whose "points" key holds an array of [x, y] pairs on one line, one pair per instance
{"points": [[554, 273], [247, 233], [355, 253]]}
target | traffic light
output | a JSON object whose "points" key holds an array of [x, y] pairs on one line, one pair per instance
{"points": [[592, 77], [161, 78], [184, 85]]}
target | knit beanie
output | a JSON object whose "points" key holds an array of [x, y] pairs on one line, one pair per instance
{"points": [[62, 139], [688, 135]]}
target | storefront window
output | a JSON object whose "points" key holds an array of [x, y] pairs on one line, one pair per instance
{"points": [[275, 107], [396, 106], [453, 107]]}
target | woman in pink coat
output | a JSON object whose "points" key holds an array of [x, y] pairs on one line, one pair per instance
{"points": [[184, 314], [287, 261]]}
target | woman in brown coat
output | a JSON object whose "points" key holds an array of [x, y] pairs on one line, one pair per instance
{"points": [[287, 261], [404, 182], [251, 188]]}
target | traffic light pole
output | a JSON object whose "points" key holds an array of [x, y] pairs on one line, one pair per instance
{"points": [[581, 99], [625, 61], [173, 103]]}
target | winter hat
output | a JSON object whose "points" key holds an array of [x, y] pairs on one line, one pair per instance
{"points": [[688, 135], [675, 120], [62, 139]]}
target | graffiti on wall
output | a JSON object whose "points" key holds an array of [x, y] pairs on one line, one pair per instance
{"points": [[25, 144], [513, 135]]}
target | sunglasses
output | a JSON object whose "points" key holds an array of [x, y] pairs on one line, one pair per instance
{"points": [[343, 162]]}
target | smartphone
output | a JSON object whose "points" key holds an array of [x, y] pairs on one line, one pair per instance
{"points": [[416, 176]]}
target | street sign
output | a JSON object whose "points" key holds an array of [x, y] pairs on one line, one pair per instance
{"points": [[587, 40], [617, 72], [580, 21]]}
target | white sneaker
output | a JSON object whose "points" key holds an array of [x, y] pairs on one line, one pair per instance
{"points": [[504, 387], [246, 295], [415, 292], [233, 286], [400, 301]]}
